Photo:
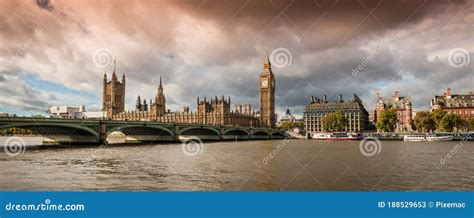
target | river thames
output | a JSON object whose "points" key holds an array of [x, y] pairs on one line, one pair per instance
{"points": [[297, 165]]}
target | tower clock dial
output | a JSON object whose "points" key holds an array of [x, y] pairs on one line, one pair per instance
{"points": [[265, 83]]}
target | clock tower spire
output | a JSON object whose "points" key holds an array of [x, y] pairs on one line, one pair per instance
{"points": [[267, 95]]}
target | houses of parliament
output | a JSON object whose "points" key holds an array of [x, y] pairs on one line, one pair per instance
{"points": [[213, 111]]}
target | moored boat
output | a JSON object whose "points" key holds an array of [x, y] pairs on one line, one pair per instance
{"points": [[428, 137], [414, 138], [436, 137], [337, 136]]}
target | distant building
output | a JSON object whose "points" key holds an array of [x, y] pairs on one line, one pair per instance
{"points": [[371, 117], [413, 114], [353, 110], [403, 107], [287, 118], [74, 112], [462, 105]]}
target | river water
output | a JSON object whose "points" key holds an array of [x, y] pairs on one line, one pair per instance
{"points": [[297, 165]]}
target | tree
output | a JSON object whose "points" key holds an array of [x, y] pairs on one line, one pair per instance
{"points": [[291, 125], [464, 124], [387, 120], [437, 116], [470, 125], [424, 122], [336, 121], [328, 122], [450, 122], [341, 121]]}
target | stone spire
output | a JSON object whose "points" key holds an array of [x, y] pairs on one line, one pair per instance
{"points": [[160, 87], [160, 100], [266, 62], [144, 106], [138, 105], [267, 66], [114, 77]]}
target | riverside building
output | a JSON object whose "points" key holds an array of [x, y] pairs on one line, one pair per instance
{"points": [[463, 105], [353, 110], [403, 107]]}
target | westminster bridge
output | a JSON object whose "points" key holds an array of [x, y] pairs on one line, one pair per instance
{"points": [[96, 131]]}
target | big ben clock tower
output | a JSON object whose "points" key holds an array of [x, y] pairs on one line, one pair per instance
{"points": [[267, 95]]}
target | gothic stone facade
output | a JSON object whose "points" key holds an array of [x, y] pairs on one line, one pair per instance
{"points": [[353, 110], [462, 105], [113, 95], [403, 107], [214, 111]]}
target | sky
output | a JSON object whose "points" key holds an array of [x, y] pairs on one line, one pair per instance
{"points": [[56, 52]]}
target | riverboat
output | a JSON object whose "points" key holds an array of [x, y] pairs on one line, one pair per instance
{"points": [[337, 136]]}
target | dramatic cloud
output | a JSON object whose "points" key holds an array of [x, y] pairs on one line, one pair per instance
{"points": [[17, 94], [208, 48]]}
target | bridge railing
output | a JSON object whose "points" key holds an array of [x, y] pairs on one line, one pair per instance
{"points": [[36, 119]]}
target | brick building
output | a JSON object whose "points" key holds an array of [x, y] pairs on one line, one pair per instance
{"points": [[402, 105], [462, 105]]}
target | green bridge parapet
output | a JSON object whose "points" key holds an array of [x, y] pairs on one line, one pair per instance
{"points": [[96, 131]]}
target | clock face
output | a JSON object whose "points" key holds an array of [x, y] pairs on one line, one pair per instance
{"points": [[265, 83]]}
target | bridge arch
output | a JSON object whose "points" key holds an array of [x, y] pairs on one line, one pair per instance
{"points": [[43, 126], [199, 131], [121, 128], [260, 133], [277, 135], [236, 132]]}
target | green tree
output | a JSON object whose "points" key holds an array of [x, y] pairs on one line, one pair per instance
{"points": [[290, 125], [437, 116], [470, 124], [450, 122], [328, 122], [424, 122], [341, 121], [464, 125], [285, 125], [336, 121], [387, 120]]}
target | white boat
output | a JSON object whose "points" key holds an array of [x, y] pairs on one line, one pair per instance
{"points": [[337, 136], [428, 137], [436, 138], [414, 138]]}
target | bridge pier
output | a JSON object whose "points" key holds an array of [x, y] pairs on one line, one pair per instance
{"points": [[102, 132], [176, 131]]}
